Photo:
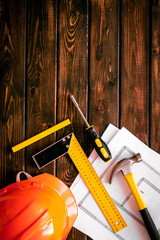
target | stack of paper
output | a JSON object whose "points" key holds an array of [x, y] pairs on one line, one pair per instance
{"points": [[90, 220]]}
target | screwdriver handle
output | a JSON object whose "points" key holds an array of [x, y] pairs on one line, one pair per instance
{"points": [[99, 145]]}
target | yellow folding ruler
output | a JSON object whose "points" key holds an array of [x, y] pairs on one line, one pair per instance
{"points": [[69, 144], [41, 135]]}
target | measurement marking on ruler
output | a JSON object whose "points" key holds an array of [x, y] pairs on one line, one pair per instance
{"points": [[95, 185]]}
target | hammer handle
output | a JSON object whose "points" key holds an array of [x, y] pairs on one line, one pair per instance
{"points": [[150, 226]]}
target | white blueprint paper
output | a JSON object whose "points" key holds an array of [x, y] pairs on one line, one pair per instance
{"points": [[90, 220]]}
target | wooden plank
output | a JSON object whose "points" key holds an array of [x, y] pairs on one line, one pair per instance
{"points": [[155, 76], [134, 65], [12, 42], [104, 71], [41, 76], [104, 64], [72, 78]]}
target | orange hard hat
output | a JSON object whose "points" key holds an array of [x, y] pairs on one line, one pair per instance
{"points": [[41, 207]]}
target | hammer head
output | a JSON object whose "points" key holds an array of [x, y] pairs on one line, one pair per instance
{"points": [[125, 166]]}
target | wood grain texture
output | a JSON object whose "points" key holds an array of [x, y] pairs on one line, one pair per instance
{"points": [[12, 38], [104, 79], [134, 64], [72, 78], [155, 77], [41, 76], [72, 74], [103, 66]]}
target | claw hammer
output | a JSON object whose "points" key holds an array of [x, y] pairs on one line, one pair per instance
{"points": [[125, 167]]}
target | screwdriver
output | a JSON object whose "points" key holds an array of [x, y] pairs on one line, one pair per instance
{"points": [[99, 145]]}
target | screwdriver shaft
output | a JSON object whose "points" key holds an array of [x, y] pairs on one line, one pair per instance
{"points": [[77, 106]]}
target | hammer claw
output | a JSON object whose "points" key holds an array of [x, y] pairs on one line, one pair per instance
{"points": [[125, 166]]}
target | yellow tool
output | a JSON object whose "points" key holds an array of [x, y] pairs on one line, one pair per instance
{"points": [[40, 135], [125, 167], [99, 145], [69, 144]]}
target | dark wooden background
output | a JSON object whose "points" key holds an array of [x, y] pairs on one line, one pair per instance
{"points": [[105, 52]]}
